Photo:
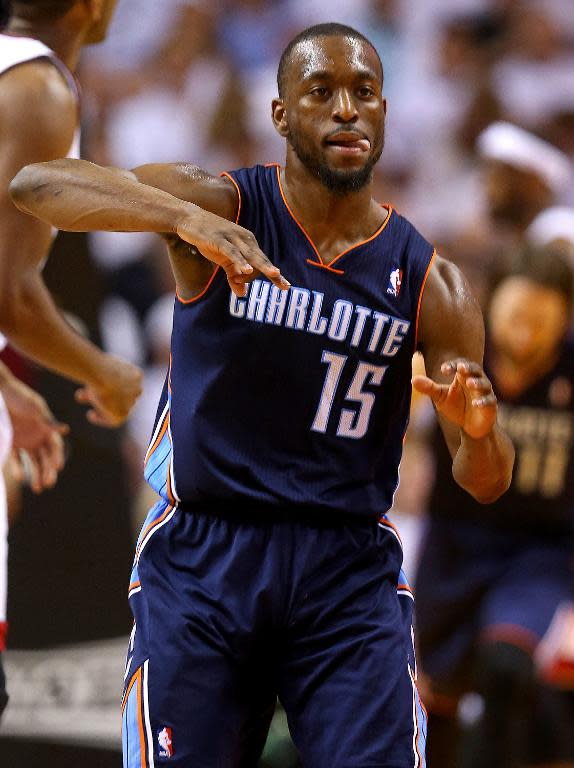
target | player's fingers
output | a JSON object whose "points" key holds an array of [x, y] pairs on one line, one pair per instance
{"points": [[56, 450], [239, 288], [260, 262], [478, 384], [461, 366], [33, 471], [426, 386], [47, 467], [230, 257], [485, 401]]}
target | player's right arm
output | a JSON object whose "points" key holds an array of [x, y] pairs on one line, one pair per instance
{"points": [[38, 116], [193, 206]]}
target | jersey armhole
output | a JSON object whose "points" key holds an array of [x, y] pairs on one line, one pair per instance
{"points": [[216, 270], [227, 175], [421, 292]]}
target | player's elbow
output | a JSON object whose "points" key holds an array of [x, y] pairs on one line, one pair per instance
{"points": [[18, 300], [486, 488], [23, 185], [489, 495], [30, 186]]}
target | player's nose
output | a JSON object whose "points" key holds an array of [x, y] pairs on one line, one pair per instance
{"points": [[344, 107]]}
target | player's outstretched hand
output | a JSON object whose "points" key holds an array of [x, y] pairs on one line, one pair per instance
{"points": [[232, 247], [38, 442], [111, 398], [467, 401]]}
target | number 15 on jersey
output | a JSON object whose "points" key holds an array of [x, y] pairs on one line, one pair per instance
{"points": [[353, 422]]}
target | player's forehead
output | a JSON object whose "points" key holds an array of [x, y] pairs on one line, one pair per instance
{"points": [[333, 56]]}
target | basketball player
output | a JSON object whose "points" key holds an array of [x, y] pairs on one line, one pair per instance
{"points": [[269, 567], [39, 49], [491, 579]]}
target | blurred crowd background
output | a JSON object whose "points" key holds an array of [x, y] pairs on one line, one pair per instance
{"points": [[192, 80]]}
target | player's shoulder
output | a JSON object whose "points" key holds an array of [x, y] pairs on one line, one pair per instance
{"points": [[448, 303], [40, 79], [36, 93], [38, 111]]}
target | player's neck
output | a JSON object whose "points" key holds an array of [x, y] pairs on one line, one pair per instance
{"points": [[67, 45], [331, 219]]}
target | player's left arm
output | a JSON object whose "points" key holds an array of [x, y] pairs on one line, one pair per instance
{"points": [[451, 338]]}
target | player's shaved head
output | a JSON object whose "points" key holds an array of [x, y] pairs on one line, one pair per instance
{"points": [[330, 29]]}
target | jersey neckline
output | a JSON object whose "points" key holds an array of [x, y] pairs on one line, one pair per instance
{"points": [[319, 262]]}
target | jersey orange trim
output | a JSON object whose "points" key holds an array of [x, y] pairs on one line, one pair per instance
{"points": [[320, 262], [384, 521], [236, 185], [406, 587], [134, 585], [151, 526], [203, 292], [168, 481], [328, 267], [158, 440], [431, 262]]}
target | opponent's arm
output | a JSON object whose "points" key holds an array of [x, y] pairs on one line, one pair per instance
{"points": [[451, 336], [37, 122], [79, 196]]}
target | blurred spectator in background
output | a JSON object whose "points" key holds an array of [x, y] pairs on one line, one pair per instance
{"points": [[520, 176], [491, 578]]}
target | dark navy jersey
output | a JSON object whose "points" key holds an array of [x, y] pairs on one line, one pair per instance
{"points": [[297, 397], [540, 423]]}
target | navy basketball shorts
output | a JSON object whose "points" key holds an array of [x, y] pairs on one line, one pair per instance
{"points": [[476, 585], [230, 615]]}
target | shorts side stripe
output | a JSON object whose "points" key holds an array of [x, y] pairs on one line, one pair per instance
{"points": [[146, 715], [133, 739], [419, 727]]}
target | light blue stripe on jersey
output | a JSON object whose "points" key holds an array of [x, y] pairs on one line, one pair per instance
{"points": [[156, 468]]}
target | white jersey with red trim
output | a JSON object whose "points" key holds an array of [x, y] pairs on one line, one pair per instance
{"points": [[13, 52]]}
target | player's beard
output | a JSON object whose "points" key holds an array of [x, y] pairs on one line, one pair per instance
{"points": [[340, 182]]}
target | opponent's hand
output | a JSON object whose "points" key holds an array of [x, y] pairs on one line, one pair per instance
{"points": [[467, 401], [232, 247], [37, 437], [112, 397]]}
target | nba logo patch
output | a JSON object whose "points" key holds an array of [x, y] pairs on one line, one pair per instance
{"points": [[165, 743], [395, 282]]}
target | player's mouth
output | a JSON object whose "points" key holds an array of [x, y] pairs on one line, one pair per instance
{"points": [[348, 142]]}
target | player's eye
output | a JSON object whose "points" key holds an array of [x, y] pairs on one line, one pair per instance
{"points": [[365, 92], [319, 91]]}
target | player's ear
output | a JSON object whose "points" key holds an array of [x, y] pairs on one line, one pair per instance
{"points": [[279, 117]]}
